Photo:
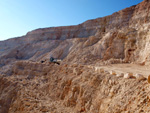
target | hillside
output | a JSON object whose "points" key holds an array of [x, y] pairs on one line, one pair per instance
{"points": [[104, 68], [48, 88], [122, 35]]}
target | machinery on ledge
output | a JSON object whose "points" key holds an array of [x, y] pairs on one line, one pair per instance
{"points": [[55, 60], [52, 60]]}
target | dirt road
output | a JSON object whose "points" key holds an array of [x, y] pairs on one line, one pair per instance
{"points": [[125, 68]]}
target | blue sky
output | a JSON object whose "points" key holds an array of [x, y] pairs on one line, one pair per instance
{"points": [[17, 17]]}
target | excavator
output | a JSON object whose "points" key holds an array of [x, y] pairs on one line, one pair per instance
{"points": [[54, 60]]}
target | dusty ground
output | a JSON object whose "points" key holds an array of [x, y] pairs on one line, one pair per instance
{"points": [[128, 68]]}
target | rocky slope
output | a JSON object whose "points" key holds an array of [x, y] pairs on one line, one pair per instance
{"points": [[26, 85], [122, 35], [49, 88]]}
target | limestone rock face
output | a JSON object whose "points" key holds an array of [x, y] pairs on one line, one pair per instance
{"points": [[37, 87], [122, 35], [29, 85]]}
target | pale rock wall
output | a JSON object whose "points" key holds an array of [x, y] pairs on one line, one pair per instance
{"points": [[122, 35]]}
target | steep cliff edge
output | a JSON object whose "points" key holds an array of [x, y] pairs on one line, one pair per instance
{"points": [[122, 35], [86, 81], [47, 88]]}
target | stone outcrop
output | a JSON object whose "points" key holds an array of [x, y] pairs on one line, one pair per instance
{"points": [[122, 35], [79, 84], [36, 87]]}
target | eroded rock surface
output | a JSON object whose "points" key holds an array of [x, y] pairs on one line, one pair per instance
{"points": [[35, 87], [122, 35], [78, 84]]}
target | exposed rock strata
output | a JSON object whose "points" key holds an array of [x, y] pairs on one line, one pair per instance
{"points": [[122, 35], [26, 85], [70, 89]]}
